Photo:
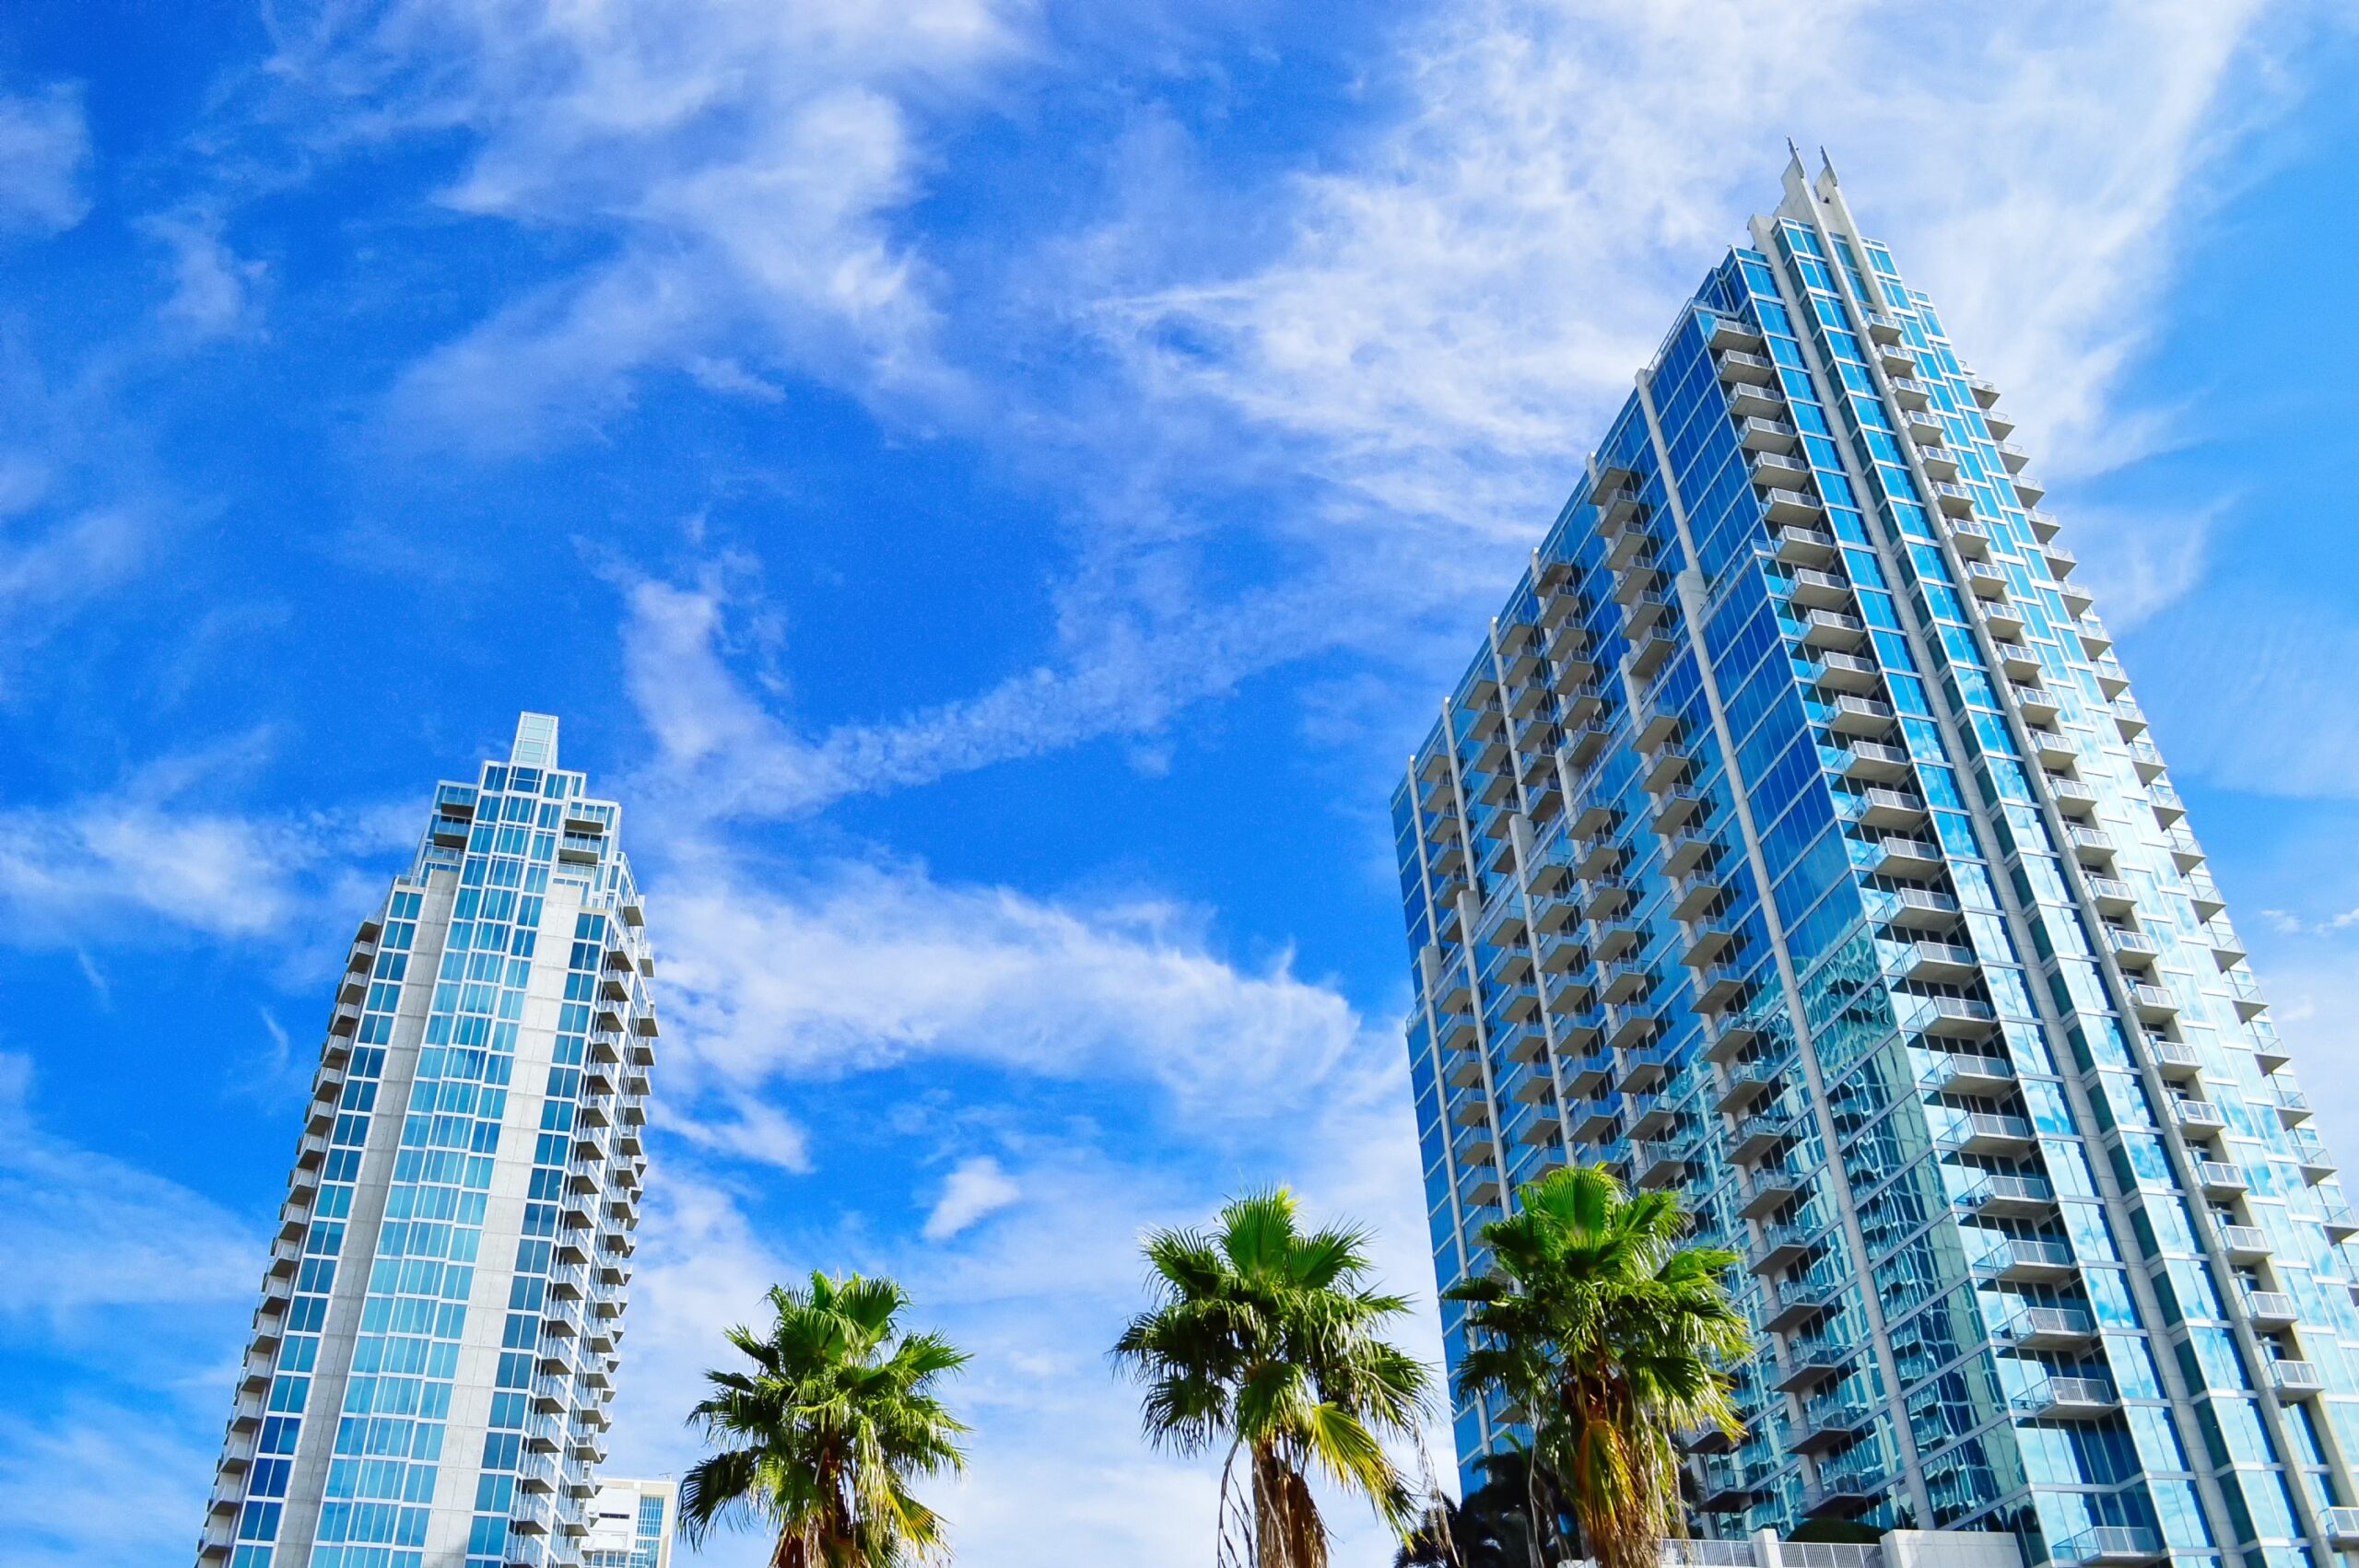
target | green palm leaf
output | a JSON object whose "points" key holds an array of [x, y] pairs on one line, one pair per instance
{"points": [[1267, 1341], [1611, 1337], [820, 1441]]}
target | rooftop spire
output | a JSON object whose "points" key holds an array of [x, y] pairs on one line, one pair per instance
{"points": [[535, 741]]}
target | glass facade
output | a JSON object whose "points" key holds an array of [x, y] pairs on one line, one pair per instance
{"points": [[434, 1353], [1795, 842]]}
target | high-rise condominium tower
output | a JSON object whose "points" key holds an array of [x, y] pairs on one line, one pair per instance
{"points": [[1793, 842], [427, 1382]]}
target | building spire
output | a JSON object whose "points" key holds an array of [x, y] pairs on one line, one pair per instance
{"points": [[535, 741]]}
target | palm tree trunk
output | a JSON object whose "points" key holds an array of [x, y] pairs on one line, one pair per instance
{"points": [[1288, 1531]]}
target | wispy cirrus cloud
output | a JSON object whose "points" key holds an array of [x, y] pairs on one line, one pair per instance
{"points": [[150, 860], [737, 168], [46, 159], [1457, 300], [1477, 284], [135, 1279]]}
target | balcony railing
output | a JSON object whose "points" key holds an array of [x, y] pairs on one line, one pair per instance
{"points": [[2066, 1397]]}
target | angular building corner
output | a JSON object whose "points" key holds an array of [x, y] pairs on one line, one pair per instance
{"points": [[1795, 842], [432, 1363]]}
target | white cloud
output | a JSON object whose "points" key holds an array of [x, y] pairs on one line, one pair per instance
{"points": [[48, 573], [212, 288], [1481, 281], [102, 1485], [44, 159], [2249, 690], [723, 752], [1060, 1471], [145, 860], [977, 1190], [86, 1233], [1458, 302], [861, 966], [1112, 1071], [743, 163], [140, 1282]]}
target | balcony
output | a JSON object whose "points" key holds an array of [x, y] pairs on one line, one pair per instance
{"points": [[2132, 949], [2113, 896], [1717, 988], [1748, 399], [1789, 1306], [2053, 748], [2296, 1379], [1591, 1122], [1801, 546], [2037, 703], [2080, 1399], [1921, 908], [1737, 366], [1877, 806], [2025, 1259], [1860, 715], [2342, 1525], [1759, 435], [1661, 1164], [1649, 1116], [2108, 1546], [1937, 962], [1617, 507], [1825, 1423], [1911, 393], [1999, 1196], [1772, 469], [1873, 760], [1778, 1247], [1955, 500], [1675, 809], [1807, 1365], [1667, 766], [1938, 461], [2243, 1244], [1951, 1017], [2200, 1114], [1761, 1135], [1895, 856], [2220, 1180], [2047, 1328], [1726, 1039], [1747, 1081], [2270, 1309], [1642, 1069], [2154, 1003], [1986, 1132], [1770, 1191], [1967, 1072], [1832, 628], [1814, 589], [1851, 1491]]}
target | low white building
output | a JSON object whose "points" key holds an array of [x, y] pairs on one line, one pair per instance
{"points": [[631, 1523]]}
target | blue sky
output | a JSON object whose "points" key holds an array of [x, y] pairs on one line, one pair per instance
{"points": [[996, 488]]}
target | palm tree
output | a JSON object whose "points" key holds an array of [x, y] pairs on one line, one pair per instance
{"points": [[820, 1439], [1269, 1338], [1492, 1528], [1608, 1336]]}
